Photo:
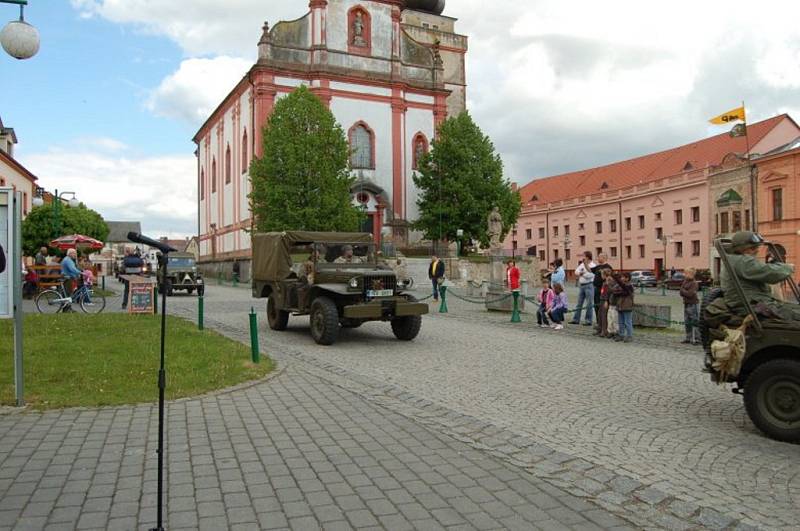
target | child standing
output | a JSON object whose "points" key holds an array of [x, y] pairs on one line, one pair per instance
{"points": [[545, 298], [613, 314], [624, 294], [690, 307], [602, 313], [87, 275], [559, 307]]}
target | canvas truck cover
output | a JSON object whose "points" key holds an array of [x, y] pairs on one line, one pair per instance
{"points": [[272, 260]]}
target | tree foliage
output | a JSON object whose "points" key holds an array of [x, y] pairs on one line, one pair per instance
{"points": [[302, 182], [460, 182], [39, 228]]}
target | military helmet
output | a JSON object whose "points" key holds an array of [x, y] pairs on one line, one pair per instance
{"points": [[746, 239]]}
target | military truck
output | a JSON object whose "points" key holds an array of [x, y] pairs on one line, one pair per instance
{"points": [[182, 274], [769, 378], [336, 279]]}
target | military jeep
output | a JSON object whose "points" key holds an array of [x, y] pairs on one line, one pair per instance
{"points": [[182, 274], [769, 378], [336, 279]]}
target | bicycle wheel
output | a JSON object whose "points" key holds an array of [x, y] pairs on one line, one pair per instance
{"points": [[49, 301], [97, 305]]}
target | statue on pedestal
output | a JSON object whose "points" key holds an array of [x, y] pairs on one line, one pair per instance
{"points": [[358, 31], [495, 231]]}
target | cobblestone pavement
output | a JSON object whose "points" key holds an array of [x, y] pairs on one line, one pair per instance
{"points": [[292, 452], [637, 428]]}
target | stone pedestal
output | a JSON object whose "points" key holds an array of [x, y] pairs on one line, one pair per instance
{"points": [[495, 304]]}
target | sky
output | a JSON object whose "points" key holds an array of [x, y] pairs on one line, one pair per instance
{"points": [[109, 105]]}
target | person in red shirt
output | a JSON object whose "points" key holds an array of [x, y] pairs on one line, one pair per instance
{"points": [[512, 275]]}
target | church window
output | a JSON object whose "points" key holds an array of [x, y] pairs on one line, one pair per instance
{"points": [[228, 165], [359, 38], [202, 184], [420, 149], [362, 147], [213, 176], [245, 160]]}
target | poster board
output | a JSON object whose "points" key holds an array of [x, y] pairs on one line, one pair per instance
{"points": [[7, 253], [141, 295]]}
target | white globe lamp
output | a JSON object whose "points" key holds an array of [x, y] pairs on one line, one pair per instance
{"points": [[74, 203], [18, 38]]}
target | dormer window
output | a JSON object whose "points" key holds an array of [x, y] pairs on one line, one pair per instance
{"points": [[604, 186]]}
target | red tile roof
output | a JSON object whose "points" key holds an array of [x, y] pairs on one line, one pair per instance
{"points": [[648, 168]]}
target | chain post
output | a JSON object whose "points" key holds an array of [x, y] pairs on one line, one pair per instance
{"points": [[515, 318], [254, 347], [200, 312], [443, 292]]}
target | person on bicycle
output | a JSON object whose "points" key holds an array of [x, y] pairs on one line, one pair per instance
{"points": [[70, 271]]}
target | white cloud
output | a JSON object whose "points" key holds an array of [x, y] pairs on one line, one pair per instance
{"points": [[198, 86], [557, 85], [158, 191]]}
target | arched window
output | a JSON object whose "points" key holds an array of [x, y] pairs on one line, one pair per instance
{"points": [[362, 147], [359, 33], [213, 175], [420, 146], [245, 160], [228, 165], [202, 184]]}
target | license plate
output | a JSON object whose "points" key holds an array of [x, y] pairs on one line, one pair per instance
{"points": [[380, 293]]}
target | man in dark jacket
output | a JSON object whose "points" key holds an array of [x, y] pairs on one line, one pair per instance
{"points": [[691, 303], [602, 263], [436, 274], [132, 264]]}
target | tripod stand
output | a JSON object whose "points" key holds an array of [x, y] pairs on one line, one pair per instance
{"points": [[163, 259]]}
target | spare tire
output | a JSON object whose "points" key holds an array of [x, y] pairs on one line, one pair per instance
{"points": [[705, 336]]}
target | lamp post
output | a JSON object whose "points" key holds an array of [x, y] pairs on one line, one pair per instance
{"points": [[18, 38], [459, 235], [665, 241], [39, 201]]}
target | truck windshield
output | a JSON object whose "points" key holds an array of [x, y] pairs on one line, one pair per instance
{"points": [[181, 262], [345, 254]]}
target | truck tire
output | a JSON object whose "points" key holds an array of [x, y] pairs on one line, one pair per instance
{"points": [[277, 319], [772, 399], [406, 328], [705, 337], [324, 321]]}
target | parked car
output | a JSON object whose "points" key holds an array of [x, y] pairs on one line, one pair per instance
{"points": [[676, 281], [644, 278]]}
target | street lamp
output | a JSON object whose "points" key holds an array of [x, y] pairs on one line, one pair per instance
{"points": [[665, 240], [39, 201], [459, 236], [18, 38]]}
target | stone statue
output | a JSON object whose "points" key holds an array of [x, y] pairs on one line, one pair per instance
{"points": [[495, 228], [358, 31]]}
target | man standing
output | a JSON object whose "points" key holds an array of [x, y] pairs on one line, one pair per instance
{"points": [[586, 289], [691, 301], [70, 271], [602, 264], [131, 265], [41, 257], [436, 274]]}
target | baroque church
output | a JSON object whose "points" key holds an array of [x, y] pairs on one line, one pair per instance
{"points": [[390, 71]]}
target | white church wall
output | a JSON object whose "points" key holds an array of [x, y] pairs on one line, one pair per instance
{"points": [[361, 89], [417, 121]]}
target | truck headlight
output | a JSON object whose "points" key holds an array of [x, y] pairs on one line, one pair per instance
{"points": [[354, 283], [199, 280]]}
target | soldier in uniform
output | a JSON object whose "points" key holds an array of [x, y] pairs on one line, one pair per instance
{"points": [[347, 256], [756, 278]]}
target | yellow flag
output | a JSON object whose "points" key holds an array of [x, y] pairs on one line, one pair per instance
{"points": [[730, 116]]}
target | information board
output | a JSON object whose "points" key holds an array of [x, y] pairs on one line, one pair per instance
{"points": [[141, 298], [6, 253]]}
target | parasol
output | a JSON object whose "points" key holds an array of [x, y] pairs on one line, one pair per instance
{"points": [[74, 241]]}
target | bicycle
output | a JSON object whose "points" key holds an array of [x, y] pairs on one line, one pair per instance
{"points": [[56, 300]]}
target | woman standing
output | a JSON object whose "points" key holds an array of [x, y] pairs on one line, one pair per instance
{"points": [[624, 295]]}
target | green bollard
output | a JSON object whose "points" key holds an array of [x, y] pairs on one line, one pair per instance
{"points": [[104, 282], [515, 318], [641, 289], [200, 312], [663, 289], [443, 293], [254, 336]]}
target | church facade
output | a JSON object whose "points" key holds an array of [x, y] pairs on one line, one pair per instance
{"points": [[390, 71]]}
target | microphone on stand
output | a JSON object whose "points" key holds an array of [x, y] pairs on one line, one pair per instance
{"points": [[144, 240]]}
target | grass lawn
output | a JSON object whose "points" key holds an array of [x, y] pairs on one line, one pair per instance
{"points": [[112, 359]]}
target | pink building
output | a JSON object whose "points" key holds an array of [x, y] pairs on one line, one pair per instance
{"points": [[649, 213]]}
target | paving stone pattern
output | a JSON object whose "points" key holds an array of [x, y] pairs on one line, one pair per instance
{"points": [[636, 428], [291, 452]]}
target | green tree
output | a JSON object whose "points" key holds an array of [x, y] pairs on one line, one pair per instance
{"points": [[460, 182], [39, 228], [303, 182]]}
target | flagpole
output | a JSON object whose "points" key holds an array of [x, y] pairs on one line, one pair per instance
{"points": [[751, 169]]}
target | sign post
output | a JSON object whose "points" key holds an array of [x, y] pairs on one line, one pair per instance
{"points": [[11, 277]]}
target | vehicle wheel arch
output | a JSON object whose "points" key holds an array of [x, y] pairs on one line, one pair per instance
{"points": [[766, 354]]}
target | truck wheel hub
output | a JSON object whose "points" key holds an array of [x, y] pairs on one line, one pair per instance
{"points": [[783, 400]]}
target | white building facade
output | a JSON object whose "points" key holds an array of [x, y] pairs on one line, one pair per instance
{"points": [[12, 172], [388, 90]]}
